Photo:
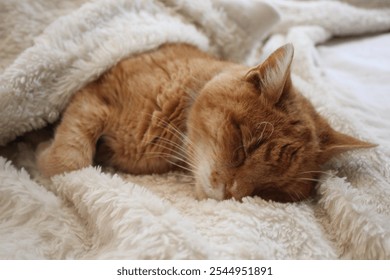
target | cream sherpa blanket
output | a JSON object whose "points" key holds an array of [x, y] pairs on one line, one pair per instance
{"points": [[51, 48]]}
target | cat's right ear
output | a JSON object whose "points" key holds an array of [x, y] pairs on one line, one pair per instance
{"points": [[272, 78]]}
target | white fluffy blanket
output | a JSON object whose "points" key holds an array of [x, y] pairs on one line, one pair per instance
{"points": [[51, 48]]}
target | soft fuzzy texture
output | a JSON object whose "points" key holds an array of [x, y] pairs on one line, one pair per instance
{"points": [[93, 214]]}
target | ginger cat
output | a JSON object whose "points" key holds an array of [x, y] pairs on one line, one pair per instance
{"points": [[240, 131]]}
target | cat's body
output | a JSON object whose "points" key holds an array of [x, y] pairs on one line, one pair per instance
{"points": [[134, 109], [240, 131]]}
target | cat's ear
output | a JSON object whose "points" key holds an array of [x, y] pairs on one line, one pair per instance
{"points": [[333, 143], [273, 77]]}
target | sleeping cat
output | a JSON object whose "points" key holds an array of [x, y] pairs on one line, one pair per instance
{"points": [[240, 131]]}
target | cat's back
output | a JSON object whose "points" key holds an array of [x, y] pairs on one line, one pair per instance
{"points": [[163, 71]]}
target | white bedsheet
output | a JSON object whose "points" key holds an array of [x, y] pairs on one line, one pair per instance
{"points": [[359, 68]]}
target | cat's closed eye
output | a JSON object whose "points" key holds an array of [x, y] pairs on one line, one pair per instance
{"points": [[254, 145], [238, 157]]}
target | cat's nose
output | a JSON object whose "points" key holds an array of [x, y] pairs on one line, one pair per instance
{"points": [[230, 195], [231, 191], [238, 190]]}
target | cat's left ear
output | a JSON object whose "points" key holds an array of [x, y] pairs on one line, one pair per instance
{"points": [[333, 143], [273, 77]]}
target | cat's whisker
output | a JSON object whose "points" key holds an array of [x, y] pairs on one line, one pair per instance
{"points": [[186, 175], [175, 154], [317, 172], [309, 180], [166, 157], [298, 195], [171, 144], [180, 136], [179, 165], [170, 126]]}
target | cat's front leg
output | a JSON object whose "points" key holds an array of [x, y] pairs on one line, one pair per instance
{"points": [[56, 157], [74, 143]]}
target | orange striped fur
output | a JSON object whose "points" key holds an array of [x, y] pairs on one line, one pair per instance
{"points": [[239, 131]]}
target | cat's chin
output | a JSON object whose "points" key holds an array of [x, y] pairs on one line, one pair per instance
{"points": [[206, 191], [199, 193]]}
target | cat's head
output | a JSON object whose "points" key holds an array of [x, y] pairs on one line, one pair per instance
{"points": [[251, 133]]}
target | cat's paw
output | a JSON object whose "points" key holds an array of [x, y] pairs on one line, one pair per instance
{"points": [[55, 157], [42, 155]]}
